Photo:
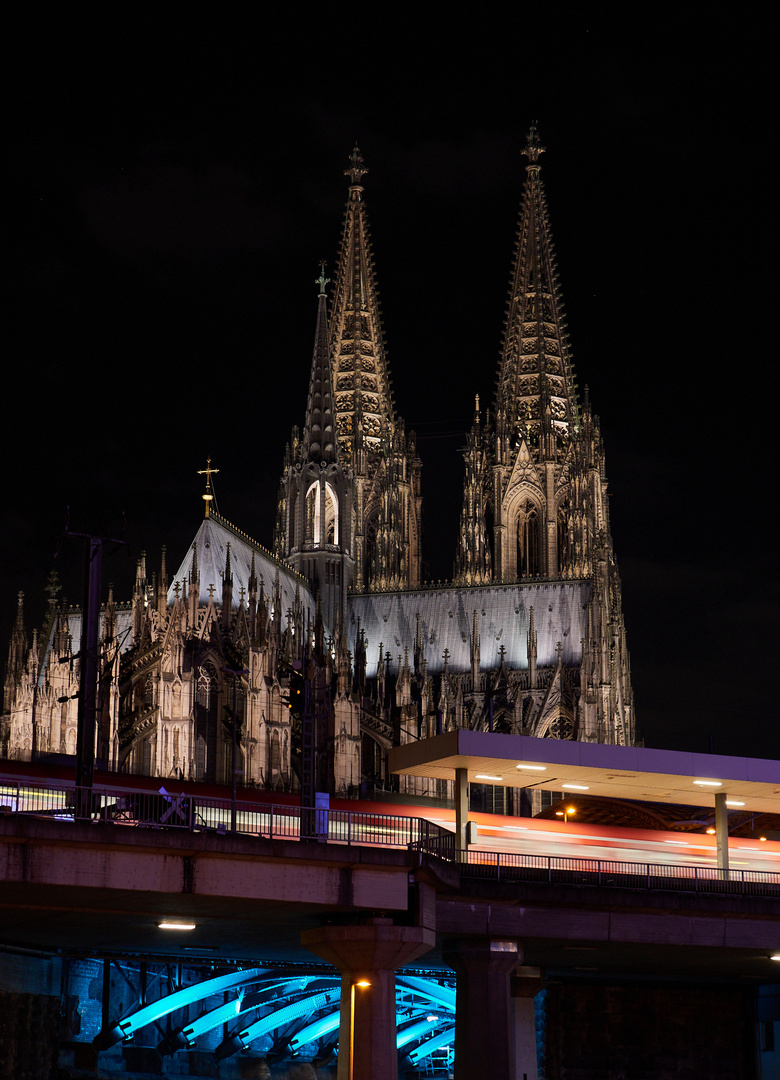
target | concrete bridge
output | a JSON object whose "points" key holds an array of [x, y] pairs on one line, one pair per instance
{"points": [[102, 888]]}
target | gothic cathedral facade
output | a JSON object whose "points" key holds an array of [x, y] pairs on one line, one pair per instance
{"points": [[314, 658]]}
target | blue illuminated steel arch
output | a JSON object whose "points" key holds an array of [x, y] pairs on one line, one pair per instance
{"points": [[180, 999], [314, 1031], [430, 989], [416, 1031], [425, 1009], [186, 1036], [280, 1017], [430, 1046]]}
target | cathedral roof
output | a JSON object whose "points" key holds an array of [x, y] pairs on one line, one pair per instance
{"points": [[536, 374], [446, 618], [211, 542]]}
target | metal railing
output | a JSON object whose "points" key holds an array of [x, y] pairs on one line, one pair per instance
{"points": [[607, 873], [166, 810]]}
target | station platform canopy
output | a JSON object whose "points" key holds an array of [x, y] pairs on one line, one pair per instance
{"points": [[623, 772]]}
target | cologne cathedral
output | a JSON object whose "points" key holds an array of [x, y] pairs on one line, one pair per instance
{"points": [[299, 667]]}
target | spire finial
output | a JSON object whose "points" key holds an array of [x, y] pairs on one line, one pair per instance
{"points": [[322, 281], [533, 147], [356, 169], [208, 471]]}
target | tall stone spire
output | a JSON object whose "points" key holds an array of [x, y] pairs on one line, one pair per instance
{"points": [[17, 654], [319, 435], [536, 386], [314, 520], [535, 506], [362, 385]]}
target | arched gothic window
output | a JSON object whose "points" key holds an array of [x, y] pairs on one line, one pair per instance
{"points": [[317, 530], [373, 762], [490, 537], [275, 756], [564, 540], [310, 515], [206, 715], [372, 552], [528, 562], [331, 530], [290, 537]]}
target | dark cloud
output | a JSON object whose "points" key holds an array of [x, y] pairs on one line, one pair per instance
{"points": [[185, 212]]}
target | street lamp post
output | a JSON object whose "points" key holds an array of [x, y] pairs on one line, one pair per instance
{"points": [[363, 983]]}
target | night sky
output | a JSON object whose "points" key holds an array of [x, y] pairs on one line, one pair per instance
{"points": [[174, 187]]}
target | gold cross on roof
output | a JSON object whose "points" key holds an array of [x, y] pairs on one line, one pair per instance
{"points": [[208, 471]]}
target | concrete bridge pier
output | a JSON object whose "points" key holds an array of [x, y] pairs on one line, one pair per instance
{"points": [[525, 983], [368, 953], [485, 1016]]}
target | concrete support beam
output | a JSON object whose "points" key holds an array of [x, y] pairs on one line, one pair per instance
{"points": [[368, 953], [524, 985], [461, 809], [722, 830], [485, 1016]]}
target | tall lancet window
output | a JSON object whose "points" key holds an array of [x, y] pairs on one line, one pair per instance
{"points": [[564, 539], [291, 538], [311, 515], [206, 721], [373, 569], [275, 754], [528, 541], [331, 530]]}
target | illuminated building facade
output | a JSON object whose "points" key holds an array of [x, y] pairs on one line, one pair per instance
{"points": [[318, 657]]}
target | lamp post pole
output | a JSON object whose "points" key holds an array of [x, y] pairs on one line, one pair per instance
{"points": [[361, 983]]}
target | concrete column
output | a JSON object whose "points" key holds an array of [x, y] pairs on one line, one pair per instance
{"points": [[484, 1015], [524, 985], [722, 830], [461, 809], [368, 953]]}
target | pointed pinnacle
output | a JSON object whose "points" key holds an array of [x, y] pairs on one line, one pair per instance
{"points": [[356, 169], [322, 281], [533, 147]]}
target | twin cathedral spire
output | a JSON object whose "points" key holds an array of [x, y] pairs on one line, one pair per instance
{"points": [[535, 500], [349, 504], [534, 504]]}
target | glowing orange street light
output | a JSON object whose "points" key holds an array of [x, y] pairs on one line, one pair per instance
{"points": [[565, 813], [362, 983]]}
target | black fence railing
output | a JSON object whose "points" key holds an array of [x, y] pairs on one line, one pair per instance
{"points": [[607, 873], [165, 810]]}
